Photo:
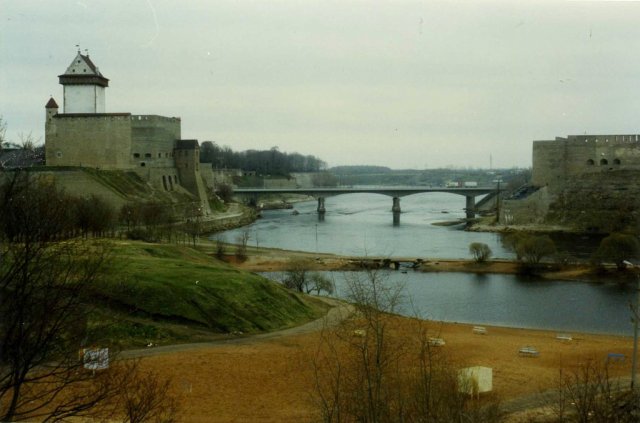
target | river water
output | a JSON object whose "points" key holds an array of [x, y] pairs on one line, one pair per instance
{"points": [[362, 224]]}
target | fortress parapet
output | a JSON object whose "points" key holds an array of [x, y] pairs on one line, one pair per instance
{"points": [[555, 162]]}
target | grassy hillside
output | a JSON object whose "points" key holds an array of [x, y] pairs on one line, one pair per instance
{"points": [[167, 293]]}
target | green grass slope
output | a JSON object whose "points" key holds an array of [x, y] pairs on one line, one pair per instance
{"points": [[167, 293]]}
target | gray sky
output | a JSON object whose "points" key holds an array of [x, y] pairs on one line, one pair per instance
{"points": [[404, 84]]}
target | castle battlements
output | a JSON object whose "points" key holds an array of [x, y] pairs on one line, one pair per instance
{"points": [[556, 162], [614, 139], [155, 118], [114, 116]]}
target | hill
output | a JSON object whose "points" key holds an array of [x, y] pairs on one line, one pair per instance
{"points": [[160, 294]]}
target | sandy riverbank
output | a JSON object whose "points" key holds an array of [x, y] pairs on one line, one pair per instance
{"points": [[271, 380], [277, 260]]}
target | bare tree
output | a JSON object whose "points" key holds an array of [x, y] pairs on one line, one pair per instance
{"points": [[225, 192], [193, 224], [299, 278], [93, 215], [319, 283], [366, 371], [147, 398], [481, 251], [296, 276], [44, 303], [42, 289], [241, 249], [220, 247], [588, 394], [26, 141], [3, 132]]}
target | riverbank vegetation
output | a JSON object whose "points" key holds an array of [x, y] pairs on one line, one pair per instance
{"points": [[69, 302]]}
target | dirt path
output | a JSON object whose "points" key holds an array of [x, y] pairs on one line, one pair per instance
{"points": [[339, 311]]}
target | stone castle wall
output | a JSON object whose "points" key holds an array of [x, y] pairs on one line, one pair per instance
{"points": [[598, 203], [153, 139], [589, 183], [90, 140], [555, 162]]}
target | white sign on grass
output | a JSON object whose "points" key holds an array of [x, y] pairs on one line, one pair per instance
{"points": [[96, 358]]}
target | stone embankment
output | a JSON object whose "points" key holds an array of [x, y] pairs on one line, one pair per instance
{"points": [[531, 228], [235, 217]]}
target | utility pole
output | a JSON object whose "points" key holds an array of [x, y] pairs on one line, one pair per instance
{"points": [[498, 203]]}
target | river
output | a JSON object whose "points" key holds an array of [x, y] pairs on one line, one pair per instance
{"points": [[362, 224]]}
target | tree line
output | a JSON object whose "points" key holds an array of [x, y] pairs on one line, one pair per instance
{"points": [[263, 162]]}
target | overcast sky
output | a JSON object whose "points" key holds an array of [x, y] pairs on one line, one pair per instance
{"points": [[404, 84]]}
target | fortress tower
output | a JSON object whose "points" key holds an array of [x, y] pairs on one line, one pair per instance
{"points": [[84, 135], [84, 87]]}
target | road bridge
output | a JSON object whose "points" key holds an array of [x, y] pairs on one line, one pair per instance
{"points": [[470, 193]]}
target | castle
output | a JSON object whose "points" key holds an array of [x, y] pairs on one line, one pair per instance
{"points": [[582, 182], [85, 135]]}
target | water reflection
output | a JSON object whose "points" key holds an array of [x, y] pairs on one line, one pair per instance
{"points": [[509, 300]]}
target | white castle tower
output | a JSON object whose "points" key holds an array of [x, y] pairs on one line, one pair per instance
{"points": [[84, 87]]}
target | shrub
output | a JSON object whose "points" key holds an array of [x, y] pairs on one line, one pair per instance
{"points": [[225, 192], [617, 248], [532, 249], [481, 251]]}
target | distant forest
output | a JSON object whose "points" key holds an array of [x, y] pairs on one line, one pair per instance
{"points": [[358, 170], [264, 162]]}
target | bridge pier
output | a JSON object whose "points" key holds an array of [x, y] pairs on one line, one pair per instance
{"points": [[396, 211], [321, 209], [470, 206]]}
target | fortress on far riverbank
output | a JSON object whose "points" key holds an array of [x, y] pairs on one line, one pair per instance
{"points": [[84, 135], [582, 182]]}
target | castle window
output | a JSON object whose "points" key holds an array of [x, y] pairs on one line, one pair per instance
{"points": [[159, 155], [175, 178], [58, 154], [604, 162], [136, 155], [164, 182], [166, 154], [590, 162], [616, 162], [142, 164], [147, 155]]}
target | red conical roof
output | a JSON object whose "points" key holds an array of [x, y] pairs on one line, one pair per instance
{"points": [[51, 104]]}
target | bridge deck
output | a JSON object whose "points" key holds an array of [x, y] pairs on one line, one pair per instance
{"points": [[391, 191]]}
